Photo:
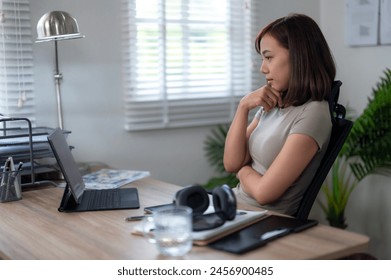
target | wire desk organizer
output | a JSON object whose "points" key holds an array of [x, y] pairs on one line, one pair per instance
{"points": [[26, 144]]}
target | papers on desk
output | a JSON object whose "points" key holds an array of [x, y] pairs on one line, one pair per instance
{"points": [[24, 140], [112, 178]]}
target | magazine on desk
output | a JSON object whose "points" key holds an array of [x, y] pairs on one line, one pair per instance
{"points": [[112, 178]]}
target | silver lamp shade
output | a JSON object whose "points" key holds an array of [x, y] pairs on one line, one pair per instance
{"points": [[57, 25]]}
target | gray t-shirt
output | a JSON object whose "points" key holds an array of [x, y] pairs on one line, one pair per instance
{"points": [[266, 141]]}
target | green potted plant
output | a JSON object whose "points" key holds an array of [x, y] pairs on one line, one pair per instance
{"points": [[214, 150], [365, 152]]}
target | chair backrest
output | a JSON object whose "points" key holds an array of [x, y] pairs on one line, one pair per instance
{"points": [[340, 131]]}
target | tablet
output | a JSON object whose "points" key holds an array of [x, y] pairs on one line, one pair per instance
{"points": [[260, 233]]}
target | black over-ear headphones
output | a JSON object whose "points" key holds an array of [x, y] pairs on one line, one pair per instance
{"points": [[196, 197]]}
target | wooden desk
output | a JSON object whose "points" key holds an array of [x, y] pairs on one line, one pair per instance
{"points": [[32, 228]]}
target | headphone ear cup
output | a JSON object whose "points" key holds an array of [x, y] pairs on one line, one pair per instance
{"points": [[224, 201], [195, 197]]}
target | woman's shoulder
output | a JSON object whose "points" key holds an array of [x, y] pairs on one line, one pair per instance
{"points": [[316, 104], [318, 107], [314, 112]]}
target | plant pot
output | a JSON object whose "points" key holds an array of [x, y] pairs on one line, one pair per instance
{"points": [[338, 221]]}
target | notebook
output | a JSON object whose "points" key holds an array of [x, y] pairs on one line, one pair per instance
{"points": [[76, 198], [242, 219]]}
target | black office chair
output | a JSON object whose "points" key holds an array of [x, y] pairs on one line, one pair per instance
{"points": [[340, 131]]}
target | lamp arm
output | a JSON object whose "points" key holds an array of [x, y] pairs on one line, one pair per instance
{"points": [[57, 81]]}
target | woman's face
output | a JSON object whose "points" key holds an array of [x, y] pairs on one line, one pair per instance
{"points": [[275, 63]]}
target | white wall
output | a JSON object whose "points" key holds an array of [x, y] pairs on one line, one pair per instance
{"points": [[92, 101], [359, 69]]}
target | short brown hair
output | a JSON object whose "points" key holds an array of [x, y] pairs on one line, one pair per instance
{"points": [[311, 62]]}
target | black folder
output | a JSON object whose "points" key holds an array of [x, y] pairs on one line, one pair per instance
{"points": [[260, 233]]}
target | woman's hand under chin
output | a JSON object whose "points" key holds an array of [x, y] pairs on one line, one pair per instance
{"points": [[266, 97]]}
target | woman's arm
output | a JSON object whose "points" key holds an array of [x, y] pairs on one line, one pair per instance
{"points": [[236, 153], [236, 149], [296, 154]]}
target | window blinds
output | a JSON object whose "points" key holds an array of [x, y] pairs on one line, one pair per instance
{"points": [[186, 62], [16, 60]]}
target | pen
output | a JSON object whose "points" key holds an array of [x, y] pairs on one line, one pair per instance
{"points": [[7, 164], [134, 218], [7, 179], [16, 182], [20, 166]]}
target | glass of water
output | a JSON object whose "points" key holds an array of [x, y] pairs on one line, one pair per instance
{"points": [[171, 229]]}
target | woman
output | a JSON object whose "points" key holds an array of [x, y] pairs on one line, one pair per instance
{"points": [[277, 154]]}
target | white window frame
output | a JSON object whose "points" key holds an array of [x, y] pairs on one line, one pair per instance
{"points": [[161, 110], [16, 61]]}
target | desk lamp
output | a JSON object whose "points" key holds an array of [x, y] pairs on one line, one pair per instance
{"points": [[56, 26]]}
